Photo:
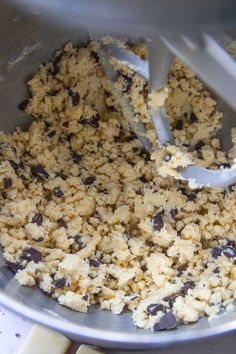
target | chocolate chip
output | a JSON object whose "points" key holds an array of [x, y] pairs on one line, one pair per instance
{"points": [[95, 56], [167, 158], [143, 153], [139, 192], [69, 137], [216, 252], [225, 165], [39, 171], [37, 219], [57, 192], [188, 285], [94, 121], [191, 196], [75, 97], [231, 243], [174, 213], [193, 118], [171, 299], [31, 254], [143, 179], [180, 270], [76, 157], [14, 165], [126, 83], [229, 252], [66, 124], [14, 267], [85, 297], [62, 176], [154, 308], [51, 134], [94, 262], [22, 106], [179, 124], [7, 182], [168, 321], [59, 283], [216, 270], [53, 93], [62, 223], [199, 145], [78, 241], [89, 180], [158, 222], [131, 162]]}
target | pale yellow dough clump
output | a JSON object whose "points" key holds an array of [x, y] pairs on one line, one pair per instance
{"points": [[87, 214]]}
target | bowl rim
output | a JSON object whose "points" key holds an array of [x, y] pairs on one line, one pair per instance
{"points": [[115, 339]]}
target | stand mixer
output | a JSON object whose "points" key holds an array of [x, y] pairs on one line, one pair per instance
{"points": [[164, 26]]}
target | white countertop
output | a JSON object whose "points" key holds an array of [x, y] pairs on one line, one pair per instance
{"points": [[14, 330]]}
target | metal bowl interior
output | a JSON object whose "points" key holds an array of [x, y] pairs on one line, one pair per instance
{"points": [[24, 44]]}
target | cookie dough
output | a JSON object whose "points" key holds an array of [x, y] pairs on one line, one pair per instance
{"points": [[86, 213]]}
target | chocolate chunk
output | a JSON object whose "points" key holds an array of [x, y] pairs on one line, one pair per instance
{"points": [[7, 182], [39, 171], [158, 222], [37, 219], [168, 321], [216, 270], [216, 252], [14, 165], [62, 223], [51, 134], [75, 97], [154, 308], [174, 213], [22, 106], [94, 121], [167, 158], [193, 118], [94, 262], [57, 192], [78, 241], [95, 56], [179, 124], [188, 285], [62, 176], [66, 124], [31, 254], [76, 157], [89, 180], [85, 297], [199, 145], [59, 283], [14, 267], [229, 251]]}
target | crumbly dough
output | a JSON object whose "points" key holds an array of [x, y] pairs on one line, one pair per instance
{"points": [[86, 215]]}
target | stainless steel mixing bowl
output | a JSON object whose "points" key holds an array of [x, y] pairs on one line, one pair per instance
{"points": [[24, 43]]}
